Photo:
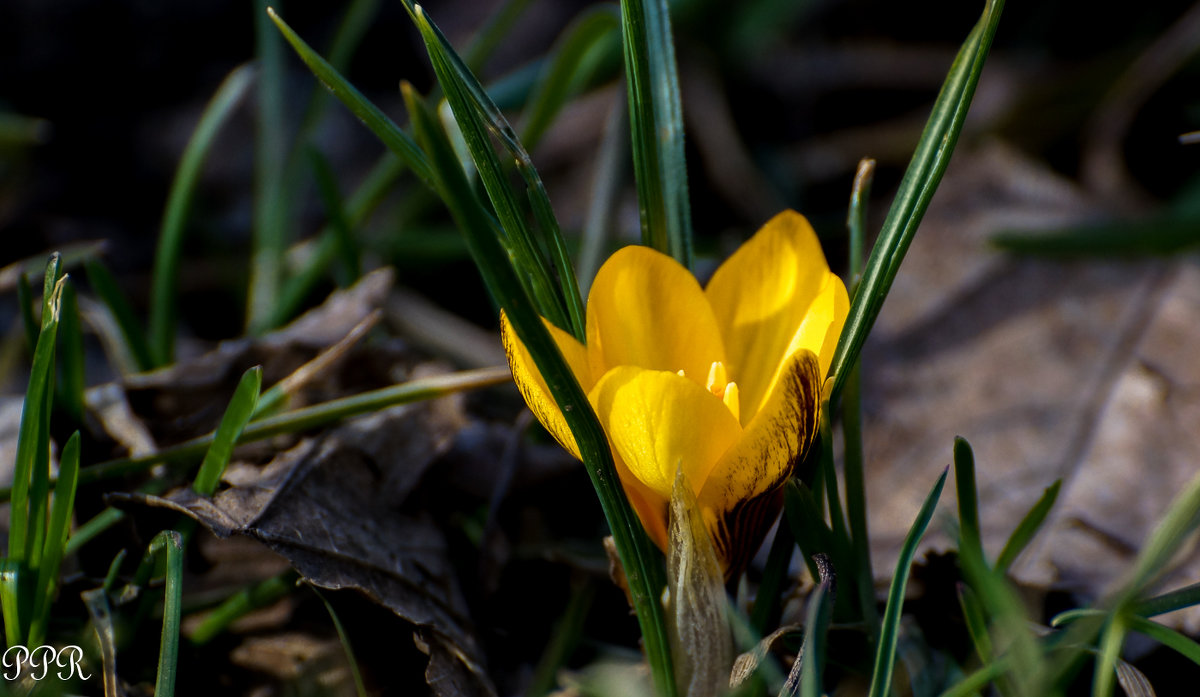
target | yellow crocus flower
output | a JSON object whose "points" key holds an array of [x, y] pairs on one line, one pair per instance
{"points": [[723, 383]]}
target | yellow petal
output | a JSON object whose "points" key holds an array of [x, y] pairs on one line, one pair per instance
{"points": [[533, 387], [657, 421], [646, 310], [740, 493], [760, 296], [822, 325]]}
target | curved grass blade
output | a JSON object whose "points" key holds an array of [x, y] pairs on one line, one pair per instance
{"points": [[56, 539], [170, 236], [1166, 636], [106, 287], [642, 562], [477, 115], [885, 655], [1169, 602], [1027, 528], [816, 626], [233, 423], [372, 117], [656, 122], [916, 189], [970, 542], [568, 66]]}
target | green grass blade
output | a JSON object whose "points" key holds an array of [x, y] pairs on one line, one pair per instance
{"points": [[771, 585], [816, 625], [170, 542], [885, 655], [353, 26], [243, 602], [975, 682], [1158, 235], [270, 175], [1108, 654], [315, 416], [233, 423], [565, 637], [339, 223], [642, 562], [804, 516], [1167, 637], [71, 381], [372, 117], [11, 573], [170, 237], [567, 68], [31, 469], [365, 199], [1027, 528], [916, 189], [28, 319], [856, 219], [970, 542], [359, 686], [56, 539], [105, 286], [477, 115], [1181, 519], [494, 32], [976, 622], [1169, 602], [656, 123]]}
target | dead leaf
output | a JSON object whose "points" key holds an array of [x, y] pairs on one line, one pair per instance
{"points": [[330, 505], [1080, 370]]}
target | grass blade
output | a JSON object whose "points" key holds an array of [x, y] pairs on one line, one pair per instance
{"points": [[238, 605], [916, 189], [656, 122], [885, 655], [372, 117], [56, 539], [477, 115], [1027, 528], [570, 65], [302, 419], [339, 223], [270, 175], [170, 237], [169, 542], [71, 381], [970, 542], [31, 469], [641, 560], [105, 286], [816, 626], [233, 423]]}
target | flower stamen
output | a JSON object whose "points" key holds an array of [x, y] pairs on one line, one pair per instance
{"points": [[718, 384]]}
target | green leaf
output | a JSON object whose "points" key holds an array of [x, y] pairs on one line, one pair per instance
{"points": [[916, 189], [243, 602], [885, 655], [816, 626], [1027, 528], [233, 423], [641, 561], [71, 381], [656, 122]]}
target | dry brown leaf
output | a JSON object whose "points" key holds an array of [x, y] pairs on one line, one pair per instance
{"points": [[1080, 370]]}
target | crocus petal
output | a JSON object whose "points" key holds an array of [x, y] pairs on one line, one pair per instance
{"points": [[657, 421], [647, 310], [822, 325], [740, 492], [760, 296], [533, 388]]}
